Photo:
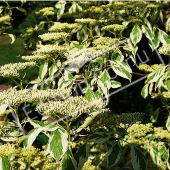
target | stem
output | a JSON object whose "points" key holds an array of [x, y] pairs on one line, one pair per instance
{"points": [[68, 130], [17, 117], [15, 81]]}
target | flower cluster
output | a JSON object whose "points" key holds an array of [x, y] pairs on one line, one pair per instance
{"points": [[5, 19], [62, 27], [137, 133], [160, 133], [74, 106], [106, 41], [88, 165], [54, 36], [146, 68], [94, 10], [91, 53], [50, 50], [46, 11], [89, 21], [165, 49], [129, 118], [29, 32], [114, 28], [31, 158], [13, 97], [164, 95], [34, 57], [9, 131], [12, 70]]}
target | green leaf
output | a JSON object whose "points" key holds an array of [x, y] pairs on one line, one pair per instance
{"points": [[137, 158], [90, 95], [168, 123], [22, 10], [42, 139], [43, 70], [168, 84], [13, 37], [99, 137], [136, 34], [68, 161], [163, 36], [113, 155], [58, 144], [8, 11], [81, 156], [4, 163], [144, 91]]}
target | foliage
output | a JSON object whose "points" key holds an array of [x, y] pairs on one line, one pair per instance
{"points": [[79, 131]]}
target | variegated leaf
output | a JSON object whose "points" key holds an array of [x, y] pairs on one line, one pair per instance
{"points": [[58, 144], [43, 70], [90, 95], [136, 34], [3, 107], [61, 7], [31, 136], [144, 91], [121, 72], [68, 161], [156, 41], [168, 123], [137, 158], [68, 76], [99, 137], [155, 75], [115, 84], [147, 32], [81, 156], [164, 38], [155, 115], [52, 71], [4, 163], [117, 55], [13, 38]]}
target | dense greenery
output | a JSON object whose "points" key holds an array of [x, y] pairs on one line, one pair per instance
{"points": [[81, 51]]}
